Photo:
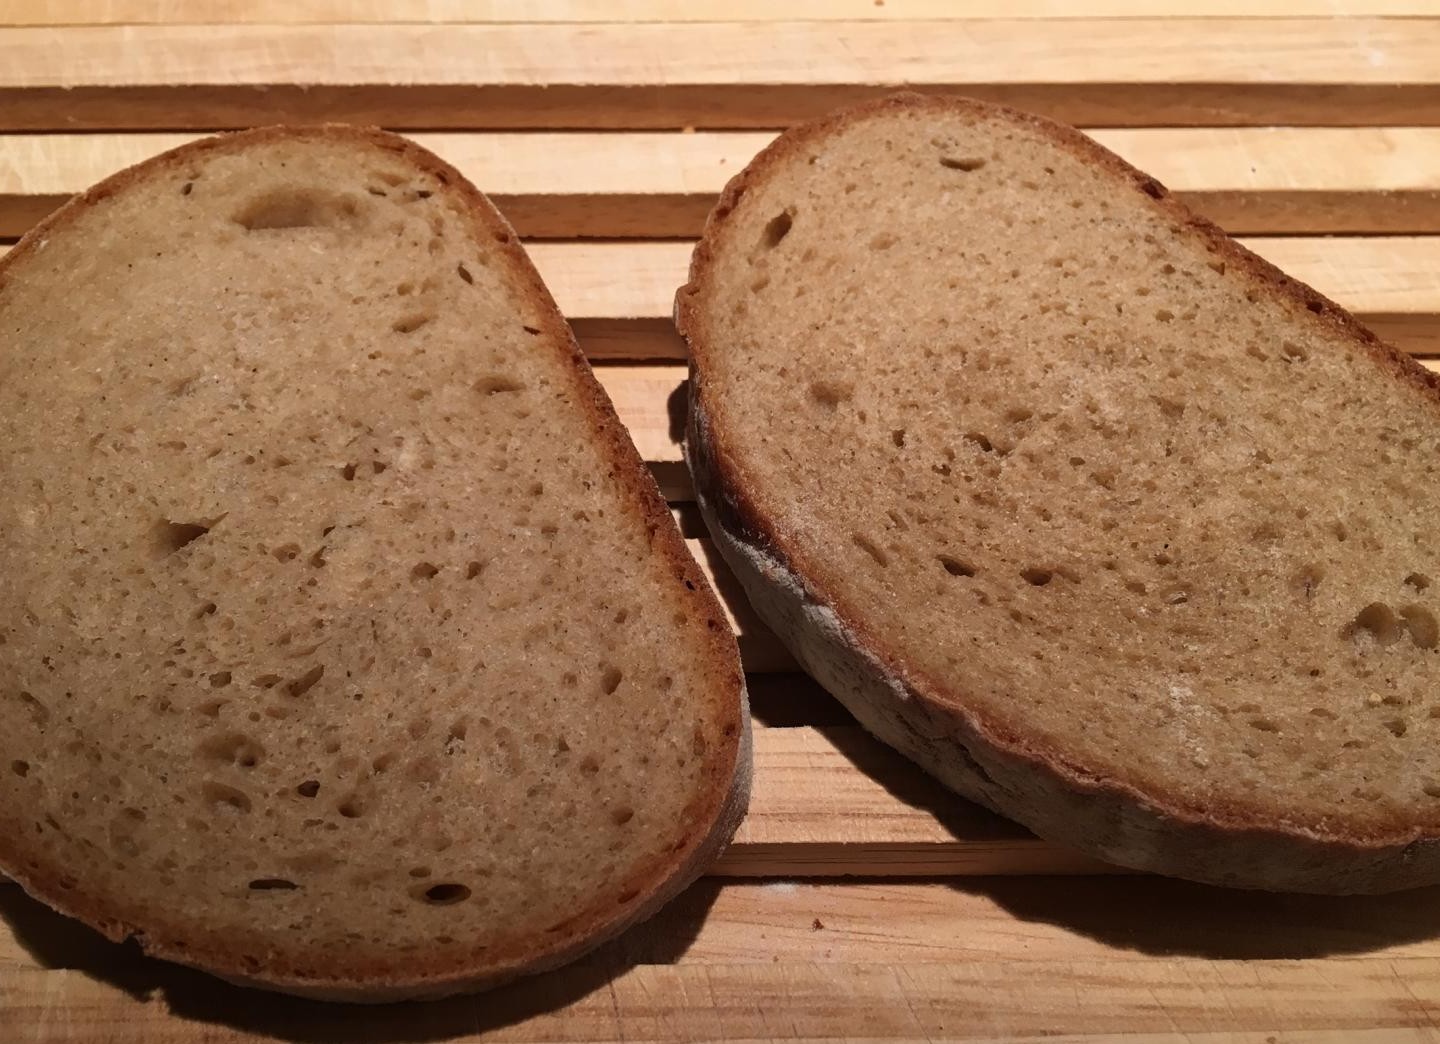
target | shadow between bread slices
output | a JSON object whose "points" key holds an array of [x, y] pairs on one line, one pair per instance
{"points": [[348, 648], [1096, 516]]}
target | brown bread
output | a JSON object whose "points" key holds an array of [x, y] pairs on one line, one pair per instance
{"points": [[346, 647], [1095, 515]]}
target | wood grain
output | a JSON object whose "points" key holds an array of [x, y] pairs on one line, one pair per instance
{"points": [[648, 184], [193, 12], [999, 919], [1169, 1000], [834, 802], [1370, 71], [1016, 956]]}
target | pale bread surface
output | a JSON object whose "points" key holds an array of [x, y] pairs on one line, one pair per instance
{"points": [[346, 646], [1096, 515]]}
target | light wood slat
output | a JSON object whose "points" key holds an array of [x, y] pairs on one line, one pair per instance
{"points": [[834, 802], [1162, 1001], [1155, 72], [192, 12], [648, 184], [760, 650]]}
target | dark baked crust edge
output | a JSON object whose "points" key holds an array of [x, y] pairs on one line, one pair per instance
{"points": [[924, 717], [712, 824]]}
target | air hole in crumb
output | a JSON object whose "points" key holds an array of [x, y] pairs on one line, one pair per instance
{"points": [[20, 768], [446, 894], [831, 393], [1264, 725], [219, 679], [1396, 726], [424, 571], [464, 274], [610, 680], [898, 437], [473, 570], [287, 552], [871, 548], [221, 796], [777, 228], [1418, 581], [272, 884], [1293, 352], [968, 164], [303, 684], [1315, 306], [533, 331], [589, 766], [351, 807], [1421, 623], [410, 323], [234, 748], [955, 567], [172, 536], [309, 788], [1037, 577], [294, 208], [496, 385], [1377, 622]]}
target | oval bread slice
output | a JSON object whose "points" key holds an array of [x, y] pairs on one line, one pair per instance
{"points": [[346, 646], [1095, 515]]}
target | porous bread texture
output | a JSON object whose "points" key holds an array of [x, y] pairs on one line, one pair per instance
{"points": [[1100, 518], [346, 647]]}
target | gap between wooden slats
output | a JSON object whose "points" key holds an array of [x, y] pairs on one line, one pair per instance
{"points": [[661, 185], [391, 12], [1156, 71]]}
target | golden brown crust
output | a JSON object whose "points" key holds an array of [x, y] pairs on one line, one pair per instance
{"points": [[712, 822], [1082, 807]]}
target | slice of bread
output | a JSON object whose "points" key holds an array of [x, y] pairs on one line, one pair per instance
{"points": [[1098, 517], [346, 646]]}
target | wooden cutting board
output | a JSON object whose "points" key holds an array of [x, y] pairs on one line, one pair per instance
{"points": [[860, 901]]}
